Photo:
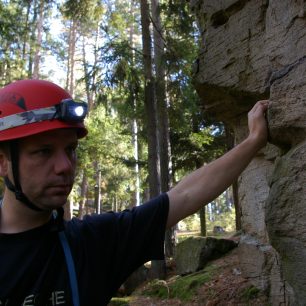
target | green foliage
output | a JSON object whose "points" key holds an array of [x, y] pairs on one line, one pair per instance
{"points": [[190, 223], [203, 137], [13, 30], [113, 72], [225, 219], [181, 287], [195, 139], [84, 11], [220, 212], [250, 293], [120, 301], [18, 37], [106, 148]]}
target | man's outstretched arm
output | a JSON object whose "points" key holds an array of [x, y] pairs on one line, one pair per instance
{"points": [[206, 183]]}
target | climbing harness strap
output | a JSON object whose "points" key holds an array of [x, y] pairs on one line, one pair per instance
{"points": [[71, 269]]}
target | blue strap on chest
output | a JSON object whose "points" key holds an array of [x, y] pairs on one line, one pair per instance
{"points": [[71, 269]]}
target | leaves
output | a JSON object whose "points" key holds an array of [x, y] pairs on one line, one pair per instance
{"points": [[107, 148], [109, 75]]}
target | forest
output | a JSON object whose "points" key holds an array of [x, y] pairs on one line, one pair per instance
{"points": [[150, 71], [132, 62]]}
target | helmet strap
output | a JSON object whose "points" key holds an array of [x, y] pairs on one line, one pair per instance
{"points": [[17, 190]]}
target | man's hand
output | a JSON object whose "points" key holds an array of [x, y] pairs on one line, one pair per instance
{"points": [[258, 130], [205, 184]]}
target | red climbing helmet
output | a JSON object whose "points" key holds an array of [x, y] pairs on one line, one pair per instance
{"points": [[30, 107]]}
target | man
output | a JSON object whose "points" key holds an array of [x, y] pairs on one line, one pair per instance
{"points": [[47, 261]]}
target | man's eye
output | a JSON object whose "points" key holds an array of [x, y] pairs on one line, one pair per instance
{"points": [[42, 152]]}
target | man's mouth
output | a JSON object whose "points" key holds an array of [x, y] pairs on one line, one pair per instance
{"points": [[60, 188]]}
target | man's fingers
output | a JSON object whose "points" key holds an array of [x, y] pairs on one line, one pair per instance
{"points": [[264, 103], [260, 105]]}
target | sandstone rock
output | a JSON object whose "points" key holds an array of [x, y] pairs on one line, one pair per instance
{"points": [[193, 253], [286, 217], [137, 278], [234, 69], [287, 113], [262, 265], [250, 50]]}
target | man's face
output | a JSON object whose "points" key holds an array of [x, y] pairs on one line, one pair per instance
{"points": [[47, 164]]}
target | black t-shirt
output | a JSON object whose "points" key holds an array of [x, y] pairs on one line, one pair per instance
{"points": [[106, 249]]}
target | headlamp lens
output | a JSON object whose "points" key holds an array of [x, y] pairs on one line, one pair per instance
{"points": [[79, 111], [72, 111]]}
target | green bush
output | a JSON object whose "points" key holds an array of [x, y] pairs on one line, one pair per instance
{"points": [[250, 293], [119, 301], [181, 287]]}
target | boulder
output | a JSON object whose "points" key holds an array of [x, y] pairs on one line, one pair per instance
{"points": [[218, 229], [193, 253], [137, 278]]}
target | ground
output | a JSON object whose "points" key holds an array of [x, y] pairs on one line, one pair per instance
{"points": [[226, 287]]}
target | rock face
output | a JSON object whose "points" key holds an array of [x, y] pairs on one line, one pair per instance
{"points": [[193, 253], [252, 50]]}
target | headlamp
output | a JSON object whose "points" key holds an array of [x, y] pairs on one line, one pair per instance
{"points": [[67, 110]]}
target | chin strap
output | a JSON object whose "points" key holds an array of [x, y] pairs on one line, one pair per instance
{"points": [[16, 189], [20, 196]]}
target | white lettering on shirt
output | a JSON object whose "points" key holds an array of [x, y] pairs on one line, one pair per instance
{"points": [[58, 298], [29, 300]]}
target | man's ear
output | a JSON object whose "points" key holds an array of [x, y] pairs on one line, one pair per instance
{"points": [[4, 164]]}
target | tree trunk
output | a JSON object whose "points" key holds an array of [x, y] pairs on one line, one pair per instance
{"points": [[162, 115], [230, 145], [70, 71], [32, 40], [90, 92], [84, 187], [237, 206], [136, 194], [202, 213], [26, 33], [67, 210], [161, 102], [39, 29], [150, 105], [199, 164], [203, 221], [86, 78], [71, 57], [158, 267]]}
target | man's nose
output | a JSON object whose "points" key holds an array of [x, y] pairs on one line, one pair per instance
{"points": [[63, 163]]}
